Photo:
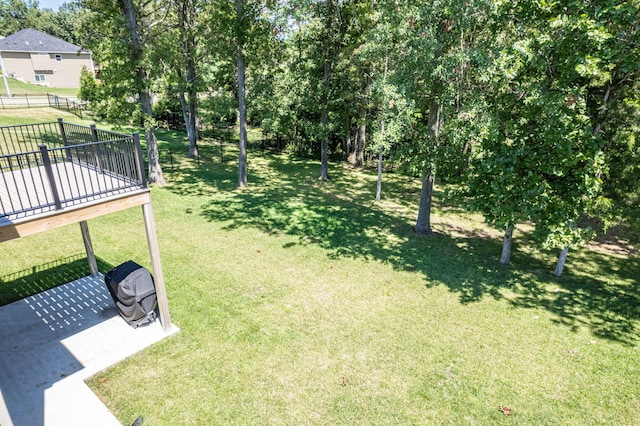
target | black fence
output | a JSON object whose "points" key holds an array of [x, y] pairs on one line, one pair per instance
{"points": [[50, 166], [26, 100], [65, 104]]}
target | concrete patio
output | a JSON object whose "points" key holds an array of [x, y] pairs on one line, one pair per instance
{"points": [[51, 342]]}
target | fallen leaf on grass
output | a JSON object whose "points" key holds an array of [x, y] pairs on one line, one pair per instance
{"points": [[505, 409]]}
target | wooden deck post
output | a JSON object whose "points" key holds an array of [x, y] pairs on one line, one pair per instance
{"points": [[91, 257], [156, 266]]}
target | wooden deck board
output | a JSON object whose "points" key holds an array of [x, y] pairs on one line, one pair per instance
{"points": [[27, 192]]}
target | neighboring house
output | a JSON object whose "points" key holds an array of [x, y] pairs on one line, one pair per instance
{"points": [[35, 57]]}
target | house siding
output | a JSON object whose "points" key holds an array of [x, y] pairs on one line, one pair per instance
{"points": [[64, 73]]}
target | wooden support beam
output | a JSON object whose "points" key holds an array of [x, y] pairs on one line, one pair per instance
{"points": [[91, 257], [40, 223], [156, 266]]}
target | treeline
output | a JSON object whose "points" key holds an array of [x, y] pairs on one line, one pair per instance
{"points": [[65, 23], [533, 107]]}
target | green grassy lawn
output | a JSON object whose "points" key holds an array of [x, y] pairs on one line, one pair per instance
{"points": [[16, 116], [12, 117], [18, 87], [302, 302]]}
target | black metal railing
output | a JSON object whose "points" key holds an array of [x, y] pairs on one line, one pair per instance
{"points": [[66, 171], [27, 137]]}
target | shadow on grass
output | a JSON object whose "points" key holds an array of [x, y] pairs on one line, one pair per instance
{"points": [[21, 284], [597, 291]]}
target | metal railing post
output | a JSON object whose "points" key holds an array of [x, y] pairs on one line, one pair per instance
{"points": [[94, 133], [140, 161], [94, 138], [63, 134], [46, 161]]}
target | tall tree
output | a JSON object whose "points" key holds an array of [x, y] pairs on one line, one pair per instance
{"points": [[189, 34], [242, 35], [555, 70], [242, 102], [330, 49], [138, 18], [439, 39], [16, 15]]}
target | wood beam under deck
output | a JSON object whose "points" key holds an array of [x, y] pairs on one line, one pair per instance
{"points": [[12, 229], [23, 227]]}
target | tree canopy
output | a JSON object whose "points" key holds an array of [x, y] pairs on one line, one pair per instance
{"points": [[532, 107]]}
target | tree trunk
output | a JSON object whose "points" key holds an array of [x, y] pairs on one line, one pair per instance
{"points": [[186, 18], [155, 170], [362, 118], [188, 112], [351, 149], [362, 136], [562, 259], [326, 85], [242, 106], [324, 119], [155, 175], [423, 224], [192, 108], [505, 257], [382, 137], [348, 144], [379, 183]]}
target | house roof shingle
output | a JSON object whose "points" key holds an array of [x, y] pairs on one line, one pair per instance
{"points": [[30, 40]]}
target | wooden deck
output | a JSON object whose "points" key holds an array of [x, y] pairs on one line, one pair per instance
{"points": [[52, 187], [28, 192], [29, 206]]}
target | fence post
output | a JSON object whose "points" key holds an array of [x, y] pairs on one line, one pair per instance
{"points": [[46, 161], [140, 161]]}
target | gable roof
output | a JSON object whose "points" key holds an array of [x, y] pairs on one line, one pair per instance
{"points": [[30, 40]]}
